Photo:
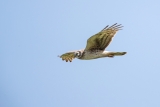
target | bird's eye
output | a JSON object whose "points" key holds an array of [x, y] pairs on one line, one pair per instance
{"points": [[77, 54]]}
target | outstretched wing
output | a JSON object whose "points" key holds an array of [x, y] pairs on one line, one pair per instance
{"points": [[69, 56], [102, 39]]}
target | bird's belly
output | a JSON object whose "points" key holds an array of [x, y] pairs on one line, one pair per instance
{"points": [[91, 55]]}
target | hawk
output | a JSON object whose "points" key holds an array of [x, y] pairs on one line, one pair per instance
{"points": [[96, 45]]}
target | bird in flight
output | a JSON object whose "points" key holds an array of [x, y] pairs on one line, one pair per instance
{"points": [[96, 45]]}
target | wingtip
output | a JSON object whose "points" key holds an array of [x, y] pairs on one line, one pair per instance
{"points": [[115, 26]]}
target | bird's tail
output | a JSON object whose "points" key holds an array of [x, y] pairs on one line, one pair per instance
{"points": [[112, 54], [118, 53]]}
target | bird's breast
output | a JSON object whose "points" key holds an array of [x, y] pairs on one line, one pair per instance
{"points": [[87, 55]]}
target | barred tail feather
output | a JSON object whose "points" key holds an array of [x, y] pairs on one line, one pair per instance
{"points": [[112, 54], [118, 53]]}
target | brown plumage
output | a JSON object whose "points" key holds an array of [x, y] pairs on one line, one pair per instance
{"points": [[96, 45]]}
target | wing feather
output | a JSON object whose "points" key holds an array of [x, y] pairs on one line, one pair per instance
{"points": [[69, 56], [102, 39]]}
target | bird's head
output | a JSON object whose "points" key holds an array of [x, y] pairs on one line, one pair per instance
{"points": [[78, 54]]}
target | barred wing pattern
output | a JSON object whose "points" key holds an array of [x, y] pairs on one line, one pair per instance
{"points": [[69, 56], [102, 39]]}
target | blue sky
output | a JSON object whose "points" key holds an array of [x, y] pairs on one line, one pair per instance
{"points": [[33, 33]]}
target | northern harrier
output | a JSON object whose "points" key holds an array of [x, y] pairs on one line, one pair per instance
{"points": [[96, 45]]}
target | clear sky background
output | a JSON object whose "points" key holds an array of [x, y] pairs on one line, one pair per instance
{"points": [[34, 32]]}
